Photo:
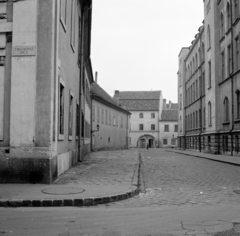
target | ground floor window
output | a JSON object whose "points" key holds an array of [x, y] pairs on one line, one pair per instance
{"points": [[165, 141]]}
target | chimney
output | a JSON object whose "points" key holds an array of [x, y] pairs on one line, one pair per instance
{"points": [[96, 75], [116, 96], [164, 103], [170, 104]]}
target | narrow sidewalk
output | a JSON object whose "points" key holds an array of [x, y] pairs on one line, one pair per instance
{"points": [[102, 177], [233, 160]]}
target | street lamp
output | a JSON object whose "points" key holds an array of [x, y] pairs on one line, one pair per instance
{"points": [[98, 127]]}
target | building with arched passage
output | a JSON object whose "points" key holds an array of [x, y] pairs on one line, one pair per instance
{"points": [[145, 108]]}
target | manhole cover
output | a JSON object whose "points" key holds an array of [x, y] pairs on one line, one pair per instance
{"points": [[237, 191], [63, 191]]}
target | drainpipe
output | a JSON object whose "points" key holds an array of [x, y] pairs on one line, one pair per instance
{"points": [[80, 84], [232, 128]]}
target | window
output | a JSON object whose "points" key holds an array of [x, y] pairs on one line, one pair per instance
{"points": [[236, 9], [196, 89], [73, 24], [152, 126], [98, 115], [209, 113], [238, 104], [110, 117], [193, 120], [166, 128], [204, 117], [63, 17], [221, 25], [203, 51], [200, 86], [237, 53], [114, 120], [165, 141], [152, 115], [140, 126], [77, 119], [102, 116], [93, 112], [193, 91], [209, 37], [173, 141], [121, 122], [223, 65], [226, 109], [196, 119], [203, 83], [229, 60], [200, 117], [106, 117], [209, 74], [180, 99], [70, 119], [228, 16], [176, 127], [61, 108], [140, 115], [117, 120]]}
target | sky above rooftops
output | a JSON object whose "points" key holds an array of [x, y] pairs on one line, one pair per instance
{"points": [[135, 43]]}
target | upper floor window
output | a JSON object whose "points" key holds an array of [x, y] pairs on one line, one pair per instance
{"points": [[223, 65], [106, 117], [229, 59], [73, 24], [226, 109], [140, 115], [152, 115], [209, 74], [152, 126], [238, 103], [176, 127], [208, 37], [63, 15], [110, 118], [140, 126], [237, 53], [166, 128], [236, 9], [209, 113], [221, 25], [93, 112], [102, 116], [228, 16], [98, 115]]}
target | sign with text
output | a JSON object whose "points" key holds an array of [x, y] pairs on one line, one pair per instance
{"points": [[19, 51]]}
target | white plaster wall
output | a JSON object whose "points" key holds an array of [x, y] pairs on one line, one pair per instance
{"points": [[167, 135], [23, 82], [64, 162]]}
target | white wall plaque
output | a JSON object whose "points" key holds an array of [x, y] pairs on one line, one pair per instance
{"points": [[19, 51]]}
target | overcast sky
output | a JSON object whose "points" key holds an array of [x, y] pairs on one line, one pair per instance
{"points": [[135, 43]]}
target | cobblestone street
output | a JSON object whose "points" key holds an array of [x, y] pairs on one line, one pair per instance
{"points": [[175, 179]]}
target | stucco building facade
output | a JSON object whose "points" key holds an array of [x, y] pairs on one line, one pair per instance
{"points": [[45, 63], [110, 122], [209, 82], [145, 108], [168, 125]]}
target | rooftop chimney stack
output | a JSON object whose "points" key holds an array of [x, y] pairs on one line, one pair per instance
{"points": [[96, 75], [116, 96], [164, 103]]}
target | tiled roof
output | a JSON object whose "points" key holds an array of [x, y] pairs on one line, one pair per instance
{"points": [[139, 95], [140, 105], [100, 92], [174, 106], [169, 115]]}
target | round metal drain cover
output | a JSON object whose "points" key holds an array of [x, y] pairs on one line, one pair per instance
{"points": [[237, 191], [63, 191]]}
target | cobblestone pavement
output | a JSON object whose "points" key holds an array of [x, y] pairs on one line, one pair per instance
{"points": [[103, 168], [175, 179]]}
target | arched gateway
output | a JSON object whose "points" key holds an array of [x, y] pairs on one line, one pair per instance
{"points": [[145, 140]]}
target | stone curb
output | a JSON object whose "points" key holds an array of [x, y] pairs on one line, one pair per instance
{"points": [[78, 202], [208, 158]]}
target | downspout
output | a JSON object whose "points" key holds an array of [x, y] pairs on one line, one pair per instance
{"points": [[232, 128], [80, 85], [201, 123]]}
